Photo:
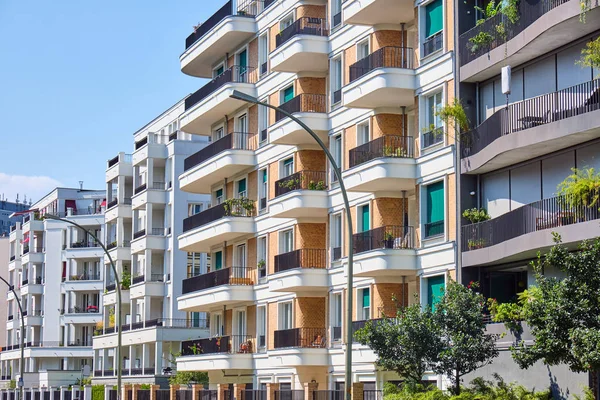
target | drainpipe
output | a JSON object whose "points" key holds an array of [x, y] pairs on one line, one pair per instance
{"points": [[403, 286], [404, 130]]}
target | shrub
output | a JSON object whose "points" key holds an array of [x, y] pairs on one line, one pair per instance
{"points": [[98, 392]]}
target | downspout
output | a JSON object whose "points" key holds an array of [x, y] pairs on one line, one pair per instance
{"points": [[457, 252]]}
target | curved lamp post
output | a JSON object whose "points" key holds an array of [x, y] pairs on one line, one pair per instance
{"points": [[336, 169], [118, 287], [22, 345]]}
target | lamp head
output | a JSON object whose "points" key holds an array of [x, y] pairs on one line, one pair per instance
{"points": [[243, 97]]}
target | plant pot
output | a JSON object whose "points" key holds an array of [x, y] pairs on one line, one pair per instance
{"points": [[388, 243]]}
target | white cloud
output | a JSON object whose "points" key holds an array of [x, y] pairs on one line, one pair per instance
{"points": [[34, 187]]}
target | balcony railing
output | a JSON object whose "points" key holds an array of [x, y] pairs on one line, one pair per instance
{"points": [[140, 188], [314, 103], [12, 258], [543, 214], [236, 208], [432, 137], [89, 309], [385, 237], [112, 203], [173, 136], [434, 229], [84, 244], [137, 279], [158, 322], [301, 180], [36, 249], [85, 277], [232, 141], [384, 146], [290, 394], [234, 344], [114, 244], [301, 258], [433, 43], [226, 276], [528, 12], [303, 26], [301, 337], [385, 57], [139, 234], [356, 325], [570, 102], [113, 161], [237, 74], [141, 143]]}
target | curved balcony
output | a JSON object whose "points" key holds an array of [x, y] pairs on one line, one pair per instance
{"points": [[521, 233], [223, 222], [302, 46], [218, 353], [300, 270], [302, 194], [382, 163], [385, 78], [533, 127], [376, 12], [209, 103], [542, 26], [221, 159], [311, 109], [300, 347]]}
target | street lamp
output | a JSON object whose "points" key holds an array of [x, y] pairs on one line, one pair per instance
{"points": [[22, 366], [336, 169], [118, 287]]}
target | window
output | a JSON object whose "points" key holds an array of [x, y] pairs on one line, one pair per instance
{"points": [[241, 323], [435, 290], [362, 50], [287, 241], [261, 325], [336, 80], [364, 304], [218, 133], [434, 223], [364, 218], [263, 121], [218, 257], [285, 315], [263, 54], [216, 324], [195, 208], [261, 254], [336, 236], [242, 62], [336, 151], [194, 264], [287, 94], [288, 167], [336, 315], [196, 318], [242, 127], [434, 25], [241, 188], [218, 71], [263, 185], [240, 261], [434, 103], [364, 133], [336, 12], [286, 21], [218, 196]]}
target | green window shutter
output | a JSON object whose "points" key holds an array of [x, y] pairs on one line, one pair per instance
{"points": [[218, 260], [264, 176], [435, 290], [366, 298], [219, 193], [288, 162], [434, 18], [288, 94], [241, 186], [435, 202], [243, 59], [365, 218], [220, 70], [196, 319]]}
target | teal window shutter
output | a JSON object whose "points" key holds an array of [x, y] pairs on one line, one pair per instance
{"points": [[243, 59], [264, 176], [435, 290], [242, 186], [365, 218], [366, 298], [219, 193], [218, 260], [435, 202], [434, 18], [288, 94]]}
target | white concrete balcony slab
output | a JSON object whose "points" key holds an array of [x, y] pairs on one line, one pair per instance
{"points": [[110, 298], [32, 224], [33, 320], [147, 288], [156, 194], [81, 318], [216, 225], [221, 159], [118, 251], [146, 148], [215, 362], [33, 288], [307, 49], [302, 270], [383, 163], [375, 12], [311, 109], [212, 101], [34, 255], [154, 239], [119, 166], [224, 287], [302, 194], [83, 285], [221, 353], [86, 251]]}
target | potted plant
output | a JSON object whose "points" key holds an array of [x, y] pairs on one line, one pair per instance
{"points": [[261, 264], [312, 185], [578, 191], [475, 215], [476, 244], [388, 240]]}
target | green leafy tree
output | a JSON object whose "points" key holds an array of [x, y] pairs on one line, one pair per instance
{"points": [[466, 345], [407, 344], [186, 377], [564, 313]]}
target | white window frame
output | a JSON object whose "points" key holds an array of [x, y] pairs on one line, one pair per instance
{"points": [[360, 310], [262, 250], [333, 143], [423, 208], [422, 24], [282, 172], [287, 18], [280, 315], [337, 320], [359, 219], [263, 187], [214, 195], [337, 77], [263, 53], [236, 186], [361, 45], [192, 208], [360, 131], [216, 323], [337, 238], [216, 67], [282, 235]]}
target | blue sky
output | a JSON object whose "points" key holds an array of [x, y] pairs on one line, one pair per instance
{"points": [[79, 77]]}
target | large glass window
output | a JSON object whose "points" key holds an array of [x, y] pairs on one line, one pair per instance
{"points": [[194, 264], [287, 241], [285, 316], [288, 167]]}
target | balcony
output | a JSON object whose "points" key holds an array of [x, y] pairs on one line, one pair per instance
{"points": [[221, 159], [521, 233], [385, 78], [433, 44], [223, 222], [147, 285], [300, 347], [87, 282], [33, 254], [157, 323], [533, 127], [119, 250], [302, 46], [311, 109], [121, 165], [302, 194], [153, 238], [116, 209], [154, 193], [148, 147], [219, 353], [212, 101], [223, 287], [84, 249], [375, 12], [300, 270], [223, 32], [81, 315], [381, 164], [356, 325], [386, 250]]}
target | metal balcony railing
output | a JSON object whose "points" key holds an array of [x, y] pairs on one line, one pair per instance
{"points": [[84, 244], [541, 110], [140, 188], [234, 344], [232, 141], [434, 229], [113, 161], [85, 277], [139, 234], [385, 57], [306, 102], [303, 26], [141, 143], [301, 258], [226, 276], [384, 146], [385, 237], [235, 74], [301, 337], [432, 137], [433, 43], [235, 208], [301, 180], [356, 325]]}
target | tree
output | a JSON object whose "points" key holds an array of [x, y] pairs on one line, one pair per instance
{"points": [[466, 345], [406, 344], [563, 314]]}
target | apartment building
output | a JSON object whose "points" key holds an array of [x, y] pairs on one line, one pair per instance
{"points": [[521, 146], [56, 270], [367, 76], [4, 257], [7, 208], [143, 218]]}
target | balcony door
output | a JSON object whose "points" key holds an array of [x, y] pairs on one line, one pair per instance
{"points": [[218, 260], [242, 59], [240, 332], [364, 133], [242, 132], [240, 261], [285, 316], [241, 189], [288, 167], [287, 241]]}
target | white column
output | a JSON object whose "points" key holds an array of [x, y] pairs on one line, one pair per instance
{"points": [[148, 218], [158, 350], [150, 172]]}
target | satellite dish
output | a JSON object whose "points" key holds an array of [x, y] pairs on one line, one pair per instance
{"points": [[86, 371]]}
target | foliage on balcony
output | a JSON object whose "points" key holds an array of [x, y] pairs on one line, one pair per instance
{"points": [[475, 215], [508, 14], [582, 187], [242, 206]]}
